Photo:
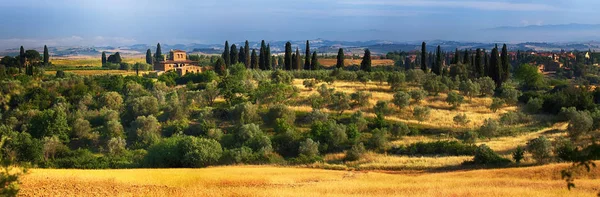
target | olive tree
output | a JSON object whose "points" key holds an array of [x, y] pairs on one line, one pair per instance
{"points": [[401, 99]]}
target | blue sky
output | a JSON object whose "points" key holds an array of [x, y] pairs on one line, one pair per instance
{"points": [[123, 22]]}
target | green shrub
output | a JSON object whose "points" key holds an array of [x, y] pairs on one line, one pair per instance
{"points": [[484, 155], [355, 153], [183, 151], [540, 149], [448, 148]]}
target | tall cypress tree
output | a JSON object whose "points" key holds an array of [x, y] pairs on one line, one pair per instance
{"points": [[314, 63], [46, 56], [21, 59], [307, 57], [486, 64], [226, 56], [288, 56], [242, 56], [340, 59], [365, 65], [495, 67], [268, 58], [273, 62], [466, 58], [158, 55], [424, 57], [247, 54], [294, 62], [261, 55], [456, 59], [438, 61], [103, 58], [254, 60], [479, 69], [149, 57], [505, 63], [298, 58], [234, 54], [280, 62]]}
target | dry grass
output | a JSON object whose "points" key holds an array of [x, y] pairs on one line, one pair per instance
{"points": [[348, 62], [476, 109], [97, 72], [90, 61], [505, 145], [278, 181], [374, 161]]}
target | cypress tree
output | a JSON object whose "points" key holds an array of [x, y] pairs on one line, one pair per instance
{"points": [[273, 62], [234, 54], [297, 61], [226, 56], [149, 57], [456, 59], [505, 63], [495, 67], [307, 58], [242, 56], [21, 59], [280, 62], [365, 65], [288, 56], [407, 63], [340, 59], [486, 64], [438, 61], [479, 69], [466, 58], [158, 55], [294, 62], [431, 61], [254, 60], [268, 58], [247, 54], [46, 56], [424, 57], [261, 55], [103, 59], [314, 63]]}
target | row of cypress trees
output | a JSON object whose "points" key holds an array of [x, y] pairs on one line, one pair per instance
{"points": [[495, 65]]}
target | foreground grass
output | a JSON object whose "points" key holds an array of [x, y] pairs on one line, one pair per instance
{"points": [[280, 181]]}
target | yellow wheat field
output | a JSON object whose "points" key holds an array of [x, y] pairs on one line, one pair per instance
{"points": [[280, 181]]}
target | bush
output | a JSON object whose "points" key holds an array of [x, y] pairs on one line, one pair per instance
{"points": [[355, 153], [418, 95], [279, 112], [330, 135], [378, 140], [580, 124], [238, 156], [510, 94], [401, 99], [382, 107], [484, 155], [461, 119], [400, 129], [421, 113], [445, 148], [309, 148], [183, 151], [455, 99], [496, 104], [518, 154], [469, 137], [540, 149], [513, 118], [534, 105], [489, 128], [245, 113], [361, 98]]}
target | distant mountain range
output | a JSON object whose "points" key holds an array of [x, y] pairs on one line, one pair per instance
{"points": [[328, 46]]}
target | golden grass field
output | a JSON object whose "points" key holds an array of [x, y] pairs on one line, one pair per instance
{"points": [[97, 72], [348, 62], [477, 109], [287, 181], [89, 61]]}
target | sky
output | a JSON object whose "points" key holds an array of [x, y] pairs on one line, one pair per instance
{"points": [[125, 22]]}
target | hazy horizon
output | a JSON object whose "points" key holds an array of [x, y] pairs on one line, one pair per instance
{"points": [[35, 23]]}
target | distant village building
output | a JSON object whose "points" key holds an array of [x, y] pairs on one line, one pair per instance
{"points": [[177, 61]]}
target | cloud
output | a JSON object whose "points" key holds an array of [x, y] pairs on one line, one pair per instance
{"points": [[66, 41], [480, 5]]}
